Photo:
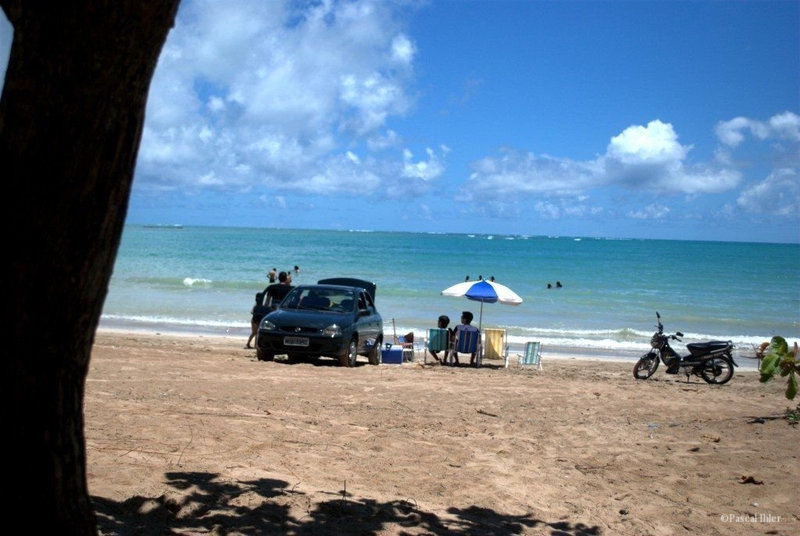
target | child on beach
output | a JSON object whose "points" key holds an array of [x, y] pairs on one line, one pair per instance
{"points": [[442, 323]]}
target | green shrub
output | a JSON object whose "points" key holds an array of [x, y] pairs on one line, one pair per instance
{"points": [[779, 359]]}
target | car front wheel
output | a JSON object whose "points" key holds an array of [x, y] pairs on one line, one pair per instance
{"points": [[263, 355], [349, 359]]}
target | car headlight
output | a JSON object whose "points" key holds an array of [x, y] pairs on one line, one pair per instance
{"points": [[332, 331], [267, 325]]}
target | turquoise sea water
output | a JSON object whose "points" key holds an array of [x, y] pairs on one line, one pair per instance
{"points": [[203, 280]]}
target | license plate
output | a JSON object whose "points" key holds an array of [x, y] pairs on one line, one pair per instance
{"points": [[295, 341]]}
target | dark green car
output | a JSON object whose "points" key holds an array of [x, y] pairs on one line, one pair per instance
{"points": [[334, 318]]}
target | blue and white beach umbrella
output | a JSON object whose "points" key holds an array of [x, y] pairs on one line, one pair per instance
{"points": [[485, 292]]}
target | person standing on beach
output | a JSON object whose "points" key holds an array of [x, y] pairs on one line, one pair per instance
{"points": [[256, 314], [275, 293], [272, 275]]}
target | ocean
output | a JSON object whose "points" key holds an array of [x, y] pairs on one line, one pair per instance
{"points": [[202, 280]]}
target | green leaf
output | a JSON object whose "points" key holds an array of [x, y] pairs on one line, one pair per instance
{"points": [[791, 389], [769, 366], [787, 364], [778, 345]]}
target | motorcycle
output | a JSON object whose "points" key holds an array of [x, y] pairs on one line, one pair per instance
{"points": [[712, 361]]}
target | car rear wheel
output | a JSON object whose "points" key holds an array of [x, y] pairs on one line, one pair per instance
{"points": [[349, 359], [375, 354]]}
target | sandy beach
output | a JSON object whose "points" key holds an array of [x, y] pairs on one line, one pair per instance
{"points": [[193, 435]]}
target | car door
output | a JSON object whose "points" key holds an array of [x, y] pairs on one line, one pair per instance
{"points": [[370, 323]]}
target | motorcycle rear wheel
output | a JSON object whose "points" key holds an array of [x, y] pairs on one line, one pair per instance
{"points": [[645, 367], [717, 371]]}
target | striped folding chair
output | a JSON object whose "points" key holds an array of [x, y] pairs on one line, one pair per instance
{"points": [[437, 341], [531, 357], [467, 342]]}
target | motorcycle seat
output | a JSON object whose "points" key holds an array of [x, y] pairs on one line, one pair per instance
{"points": [[703, 348]]}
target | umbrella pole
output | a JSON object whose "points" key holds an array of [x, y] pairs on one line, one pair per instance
{"points": [[479, 360]]}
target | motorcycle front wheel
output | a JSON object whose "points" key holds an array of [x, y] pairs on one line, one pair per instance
{"points": [[646, 366], [717, 371]]}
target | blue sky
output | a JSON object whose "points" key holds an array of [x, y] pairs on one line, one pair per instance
{"points": [[645, 119]]}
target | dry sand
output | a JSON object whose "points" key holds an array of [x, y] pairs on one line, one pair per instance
{"points": [[195, 436]]}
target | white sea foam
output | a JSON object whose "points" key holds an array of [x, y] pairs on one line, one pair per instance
{"points": [[191, 282], [157, 320]]}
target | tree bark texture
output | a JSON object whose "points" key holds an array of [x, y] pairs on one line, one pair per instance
{"points": [[71, 120]]}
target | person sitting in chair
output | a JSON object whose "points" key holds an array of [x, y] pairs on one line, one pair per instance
{"points": [[442, 323], [465, 327]]}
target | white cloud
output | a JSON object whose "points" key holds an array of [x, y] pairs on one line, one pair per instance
{"points": [[383, 140], [648, 158], [784, 126], [425, 170], [403, 50], [657, 143], [216, 104], [730, 132], [778, 194], [650, 212], [210, 180], [270, 94], [547, 209], [516, 172]]}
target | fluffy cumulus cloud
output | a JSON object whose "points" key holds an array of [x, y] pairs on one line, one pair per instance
{"points": [[649, 160], [655, 143], [642, 157], [254, 95]]}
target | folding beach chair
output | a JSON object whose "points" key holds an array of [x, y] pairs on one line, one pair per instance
{"points": [[467, 342], [532, 357], [437, 341], [495, 344]]}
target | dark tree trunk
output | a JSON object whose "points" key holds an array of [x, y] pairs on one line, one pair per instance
{"points": [[71, 119]]}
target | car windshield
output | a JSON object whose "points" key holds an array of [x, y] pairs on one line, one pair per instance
{"points": [[320, 299]]}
